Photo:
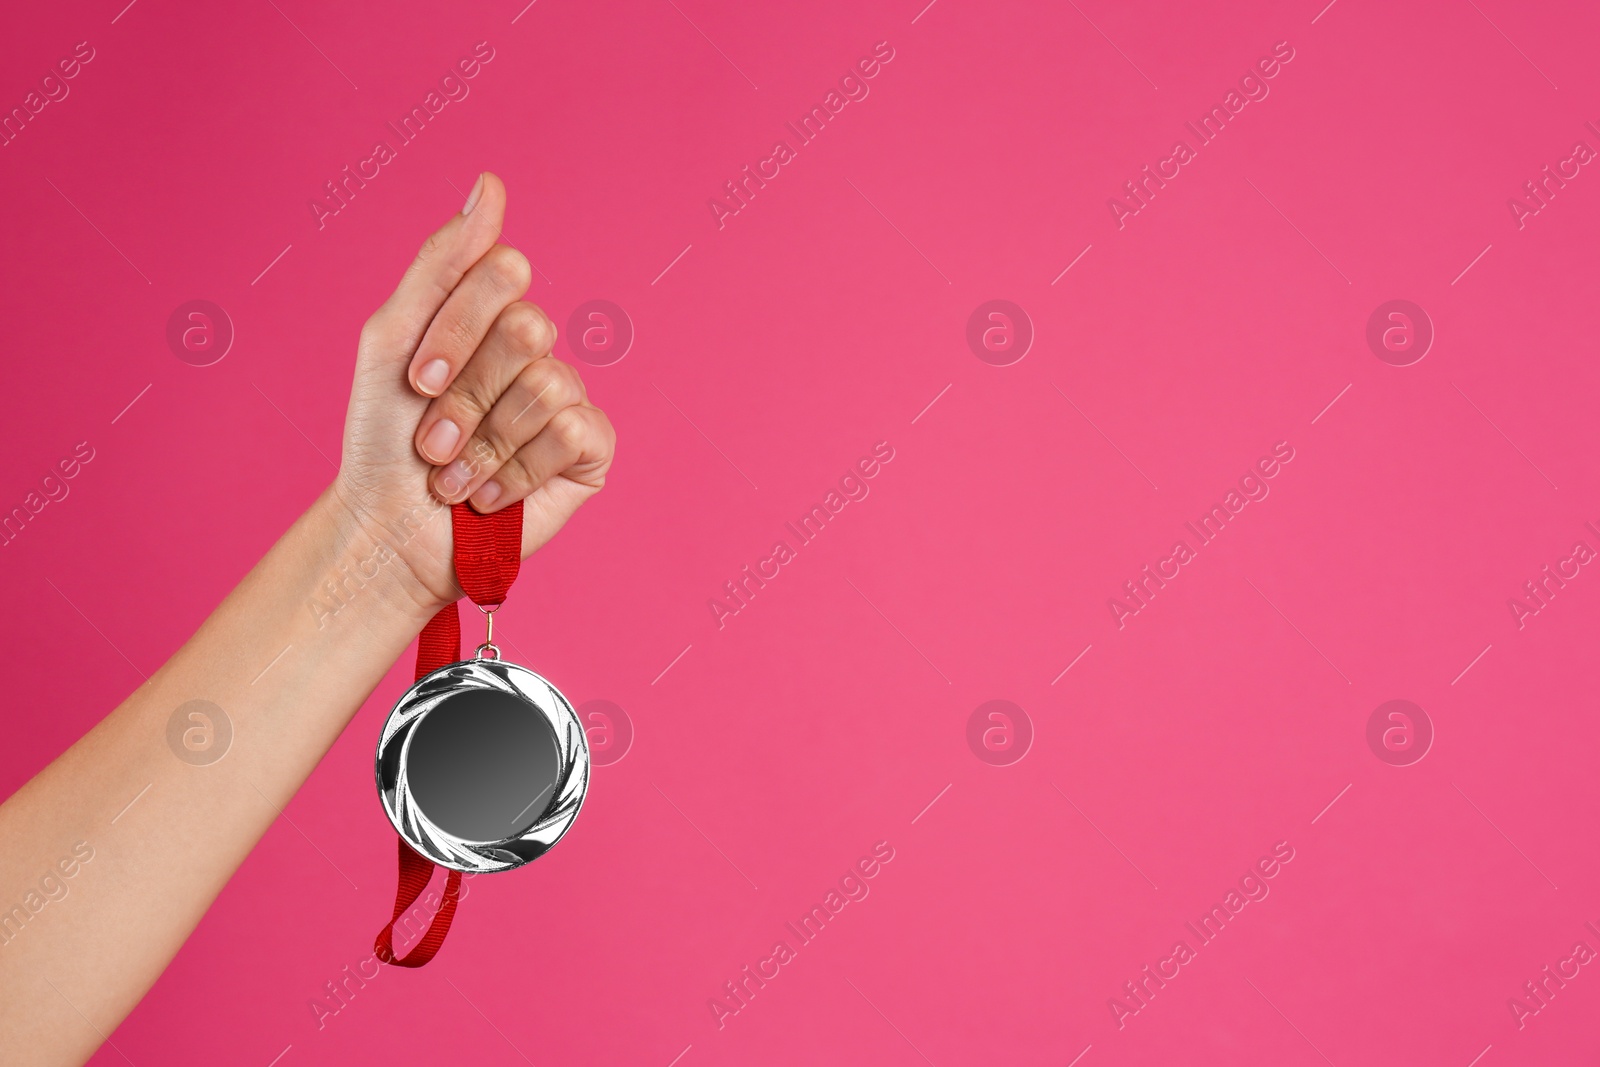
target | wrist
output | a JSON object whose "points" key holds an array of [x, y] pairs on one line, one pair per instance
{"points": [[364, 565]]}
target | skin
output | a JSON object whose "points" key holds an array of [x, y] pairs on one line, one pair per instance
{"points": [[454, 345]]}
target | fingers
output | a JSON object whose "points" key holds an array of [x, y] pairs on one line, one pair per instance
{"points": [[575, 447], [444, 259], [530, 407], [490, 286], [520, 336], [507, 422]]}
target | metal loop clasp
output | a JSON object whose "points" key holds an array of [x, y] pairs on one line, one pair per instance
{"points": [[483, 651]]}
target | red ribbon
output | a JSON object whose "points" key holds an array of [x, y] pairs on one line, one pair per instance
{"points": [[488, 554]]}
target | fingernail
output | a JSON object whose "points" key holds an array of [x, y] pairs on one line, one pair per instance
{"points": [[453, 481], [486, 495], [432, 376], [472, 197], [440, 440]]}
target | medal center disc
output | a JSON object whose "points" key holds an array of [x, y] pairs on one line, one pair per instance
{"points": [[482, 766]]}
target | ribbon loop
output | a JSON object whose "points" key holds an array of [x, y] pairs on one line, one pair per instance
{"points": [[415, 874], [488, 551]]}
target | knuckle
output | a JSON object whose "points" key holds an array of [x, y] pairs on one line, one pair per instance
{"points": [[497, 431], [428, 250], [375, 329], [514, 475], [577, 392], [472, 400], [528, 328], [461, 334], [510, 267], [604, 436], [545, 385], [570, 430], [566, 388]]}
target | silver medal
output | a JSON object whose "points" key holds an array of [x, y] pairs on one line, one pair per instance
{"points": [[482, 765]]}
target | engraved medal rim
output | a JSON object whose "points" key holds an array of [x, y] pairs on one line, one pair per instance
{"points": [[441, 846]]}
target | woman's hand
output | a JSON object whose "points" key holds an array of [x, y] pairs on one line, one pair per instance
{"points": [[457, 397]]}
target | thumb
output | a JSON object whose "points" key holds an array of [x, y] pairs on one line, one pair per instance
{"points": [[397, 327]]}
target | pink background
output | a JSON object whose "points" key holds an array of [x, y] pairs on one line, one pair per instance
{"points": [[823, 318]]}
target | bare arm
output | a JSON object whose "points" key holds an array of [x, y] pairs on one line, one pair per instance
{"points": [[169, 855], [287, 673]]}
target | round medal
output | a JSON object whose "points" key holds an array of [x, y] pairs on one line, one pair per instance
{"points": [[482, 765]]}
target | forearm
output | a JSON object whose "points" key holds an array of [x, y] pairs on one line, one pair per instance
{"points": [[166, 827]]}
